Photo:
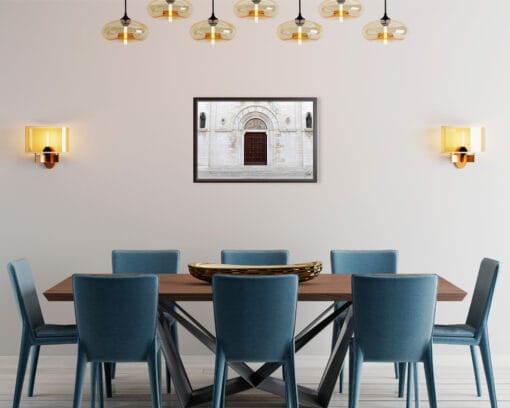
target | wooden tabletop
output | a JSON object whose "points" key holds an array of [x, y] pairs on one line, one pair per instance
{"points": [[184, 287]]}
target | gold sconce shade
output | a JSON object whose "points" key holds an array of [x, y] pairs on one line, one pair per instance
{"points": [[340, 9], [290, 30], [46, 143], [256, 9], [218, 31], [462, 143], [385, 30], [169, 9], [121, 30]]}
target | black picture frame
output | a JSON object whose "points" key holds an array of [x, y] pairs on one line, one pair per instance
{"points": [[201, 128]]}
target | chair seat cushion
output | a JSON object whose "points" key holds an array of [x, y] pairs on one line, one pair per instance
{"points": [[56, 330], [453, 330]]}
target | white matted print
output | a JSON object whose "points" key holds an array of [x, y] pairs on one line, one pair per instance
{"points": [[255, 139]]}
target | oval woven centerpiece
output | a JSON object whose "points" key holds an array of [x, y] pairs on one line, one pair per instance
{"points": [[205, 271]]}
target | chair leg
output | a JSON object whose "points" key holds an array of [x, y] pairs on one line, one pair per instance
{"points": [[356, 376], [487, 365], [152, 362], [100, 385], [24, 351], [416, 386], [476, 370], [33, 370], [158, 369], [219, 373], [113, 370], [224, 385], [401, 379], [351, 366], [108, 369], [81, 365], [93, 383], [409, 385], [291, 392], [429, 376], [396, 368]]}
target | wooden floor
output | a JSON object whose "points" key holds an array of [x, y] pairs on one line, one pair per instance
{"points": [[454, 379]]}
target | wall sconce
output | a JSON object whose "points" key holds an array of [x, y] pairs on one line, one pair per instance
{"points": [[462, 143], [46, 143]]}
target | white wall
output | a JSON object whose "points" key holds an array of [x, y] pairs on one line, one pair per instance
{"points": [[127, 182]]}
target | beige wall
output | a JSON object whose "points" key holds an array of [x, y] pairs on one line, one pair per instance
{"points": [[127, 182]]}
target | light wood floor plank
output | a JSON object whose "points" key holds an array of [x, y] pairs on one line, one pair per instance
{"points": [[55, 382]]}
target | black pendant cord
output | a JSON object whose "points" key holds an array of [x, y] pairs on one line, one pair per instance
{"points": [[299, 19], [385, 18], [125, 20], [212, 20]]}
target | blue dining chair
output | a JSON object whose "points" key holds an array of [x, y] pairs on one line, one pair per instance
{"points": [[255, 320], [474, 332], [35, 332], [393, 318], [255, 256], [146, 262], [360, 262], [116, 319]]}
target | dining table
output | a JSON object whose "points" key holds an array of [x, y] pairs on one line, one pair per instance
{"points": [[177, 288]]}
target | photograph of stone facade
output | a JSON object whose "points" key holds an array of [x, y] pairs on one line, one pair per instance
{"points": [[255, 139]]}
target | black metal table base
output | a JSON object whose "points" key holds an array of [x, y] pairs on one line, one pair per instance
{"points": [[249, 378]]}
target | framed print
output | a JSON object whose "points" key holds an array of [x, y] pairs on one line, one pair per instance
{"points": [[255, 140]]}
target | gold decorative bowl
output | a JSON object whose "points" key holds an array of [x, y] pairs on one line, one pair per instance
{"points": [[205, 271]]}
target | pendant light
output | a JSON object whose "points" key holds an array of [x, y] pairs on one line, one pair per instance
{"points": [[385, 29], [299, 29], [212, 29], [255, 9], [125, 29], [340, 9], [169, 9]]}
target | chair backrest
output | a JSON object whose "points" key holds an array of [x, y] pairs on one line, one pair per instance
{"points": [[363, 262], [255, 257], [25, 294], [394, 315], [255, 316], [116, 315], [145, 261], [482, 296]]}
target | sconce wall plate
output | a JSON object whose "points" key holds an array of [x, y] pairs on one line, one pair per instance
{"points": [[462, 143], [46, 143]]}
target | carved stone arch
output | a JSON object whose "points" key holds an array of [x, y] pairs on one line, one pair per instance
{"points": [[256, 112]]}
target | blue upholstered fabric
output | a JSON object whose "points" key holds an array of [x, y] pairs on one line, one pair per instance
{"points": [[255, 257], [165, 261], [359, 262], [145, 261], [474, 332], [35, 332], [454, 330], [56, 330], [116, 319], [393, 318], [255, 321]]}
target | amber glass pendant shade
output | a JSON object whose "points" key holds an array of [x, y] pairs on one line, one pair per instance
{"points": [[125, 30], [169, 9], [212, 29], [256, 9], [340, 9], [299, 29], [381, 31], [385, 29]]}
